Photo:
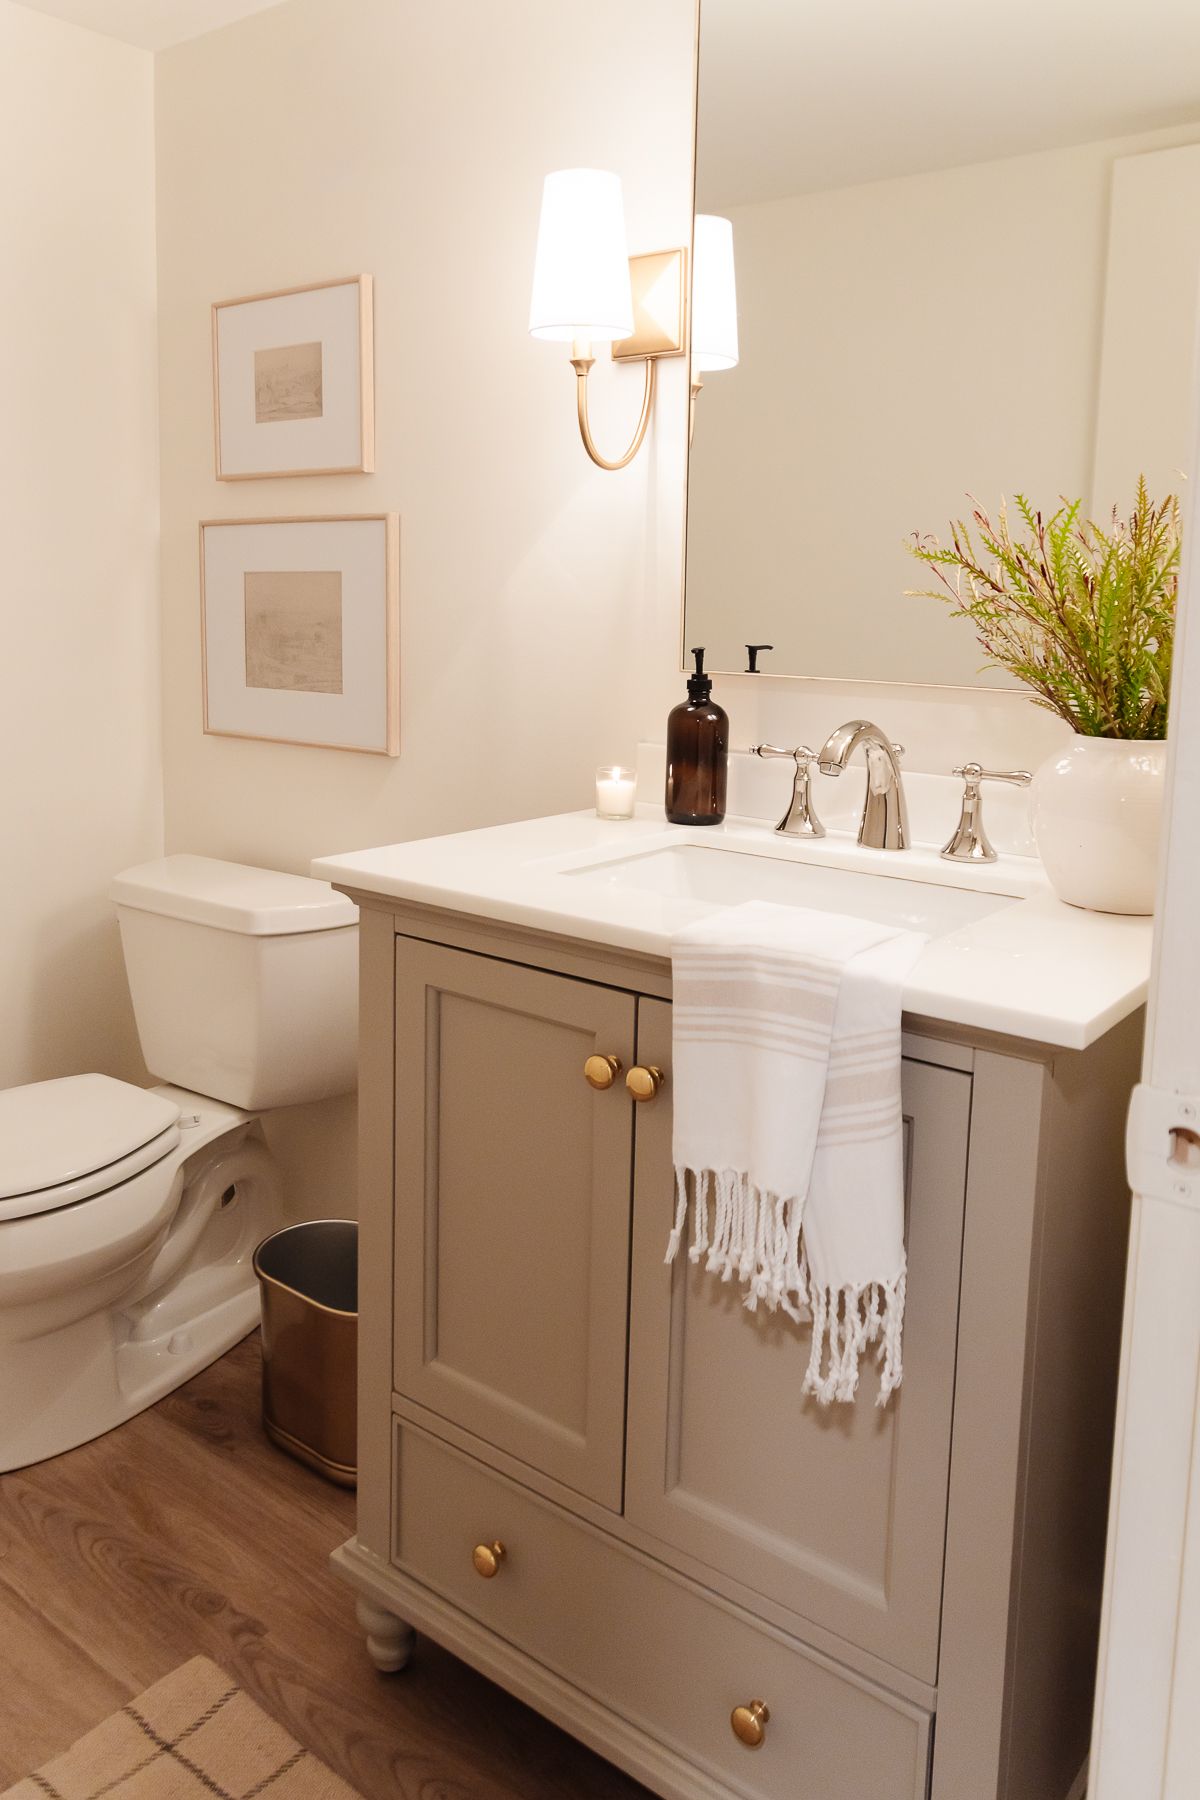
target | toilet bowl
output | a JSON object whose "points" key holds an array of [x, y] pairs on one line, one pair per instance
{"points": [[129, 1216]]}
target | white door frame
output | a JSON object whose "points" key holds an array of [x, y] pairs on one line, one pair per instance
{"points": [[1146, 1735]]}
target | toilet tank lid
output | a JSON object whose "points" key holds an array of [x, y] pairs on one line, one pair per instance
{"points": [[233, 896], [56, 1131]]}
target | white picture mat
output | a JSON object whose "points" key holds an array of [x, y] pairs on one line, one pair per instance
{"points": [[355, 719], [328, 316]]}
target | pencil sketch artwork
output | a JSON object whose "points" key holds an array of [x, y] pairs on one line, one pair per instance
{"points": [[294, 630], [288, 384]]}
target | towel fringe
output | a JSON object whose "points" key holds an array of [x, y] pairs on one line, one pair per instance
{"points": [[759, 1238]]}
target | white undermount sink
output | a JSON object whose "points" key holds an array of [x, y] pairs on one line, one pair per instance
{"points": [[717, 876]]}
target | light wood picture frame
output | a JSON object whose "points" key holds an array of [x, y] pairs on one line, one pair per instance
{"points": [[300, 630], [293, 382]]}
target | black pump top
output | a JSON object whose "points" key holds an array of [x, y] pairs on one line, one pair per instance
{"points": [[699, 684]]}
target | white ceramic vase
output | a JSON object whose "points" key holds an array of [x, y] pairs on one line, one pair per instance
{"points": [[1097, 807]]}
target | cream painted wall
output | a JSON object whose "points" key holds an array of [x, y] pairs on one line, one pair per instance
{"points": [[325, 137], [79, 714]]}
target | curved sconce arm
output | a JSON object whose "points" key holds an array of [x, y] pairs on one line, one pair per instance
{"points": [[581, 362]]}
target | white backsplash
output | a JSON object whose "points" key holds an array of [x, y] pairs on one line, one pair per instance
{"points": [[761, 790]]}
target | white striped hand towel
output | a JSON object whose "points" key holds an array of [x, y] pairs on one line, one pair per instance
{"points": [[788, 1132]]}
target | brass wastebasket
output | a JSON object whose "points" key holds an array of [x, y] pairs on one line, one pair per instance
{"points": [[308, 1279]]}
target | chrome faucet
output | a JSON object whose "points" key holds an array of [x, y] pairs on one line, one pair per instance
{"points": [[884, 823]]}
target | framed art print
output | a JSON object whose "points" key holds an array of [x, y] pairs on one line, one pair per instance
{"points": [[300, 630], [293, 384]]}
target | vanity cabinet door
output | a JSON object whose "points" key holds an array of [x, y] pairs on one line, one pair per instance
{"points": [[512, 1209], [837, 1513]]}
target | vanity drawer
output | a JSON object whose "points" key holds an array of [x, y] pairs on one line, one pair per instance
{"points": [[667, 1657]]}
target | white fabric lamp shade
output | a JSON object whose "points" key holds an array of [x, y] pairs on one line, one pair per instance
{"points": [[581, 272], [714, 295]]}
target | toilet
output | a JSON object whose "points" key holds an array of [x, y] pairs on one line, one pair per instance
{"points": [[128, 1215]]}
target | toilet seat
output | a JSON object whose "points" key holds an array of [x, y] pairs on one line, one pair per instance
{"points": [[77, 1138]]}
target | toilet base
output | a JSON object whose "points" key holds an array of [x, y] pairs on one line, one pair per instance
{"points": [[78, 1383], [197, 1297]]}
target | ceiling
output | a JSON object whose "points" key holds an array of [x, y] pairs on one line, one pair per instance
{"points": [[152, 24], [797, 95]]}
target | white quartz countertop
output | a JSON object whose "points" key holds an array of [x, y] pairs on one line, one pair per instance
{"points": [[1033, 968]]}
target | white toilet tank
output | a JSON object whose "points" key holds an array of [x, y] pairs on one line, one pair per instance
{"points": [[244, 981]]}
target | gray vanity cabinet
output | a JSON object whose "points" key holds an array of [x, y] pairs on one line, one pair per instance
{"points": [[838, 1513], [593, 1475]]}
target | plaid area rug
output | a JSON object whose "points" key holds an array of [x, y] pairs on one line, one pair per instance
{"points": [[192, 1736]]}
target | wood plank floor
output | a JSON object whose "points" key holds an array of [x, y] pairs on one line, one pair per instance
{"points": [[185, 1532]]}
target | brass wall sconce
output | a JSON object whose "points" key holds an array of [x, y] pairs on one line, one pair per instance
{"points": [[588, 289]]}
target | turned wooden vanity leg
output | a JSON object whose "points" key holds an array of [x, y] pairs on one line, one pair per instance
{"points": [[389, 1639]]}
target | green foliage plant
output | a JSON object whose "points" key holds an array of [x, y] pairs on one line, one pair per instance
{"points": [[1084, 616]]}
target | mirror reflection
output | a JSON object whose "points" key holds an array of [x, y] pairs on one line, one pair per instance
{"points": [[966, 250]]}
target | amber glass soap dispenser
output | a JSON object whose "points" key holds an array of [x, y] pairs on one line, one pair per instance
{"points": [[697, 754]]}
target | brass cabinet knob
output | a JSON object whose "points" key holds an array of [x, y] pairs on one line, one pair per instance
{"points": [[487, 1559], [750, 1723], [602, 1071], [644, 1083]]}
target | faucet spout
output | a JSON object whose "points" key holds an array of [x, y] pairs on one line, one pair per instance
{"points": [[884, 824]]}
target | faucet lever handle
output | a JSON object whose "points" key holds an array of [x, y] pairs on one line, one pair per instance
{"points": [[766, 750], [800, 819], [970, 842], [974, 774]]}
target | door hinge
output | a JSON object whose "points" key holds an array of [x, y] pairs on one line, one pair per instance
{"points": [[1162, 1145]]}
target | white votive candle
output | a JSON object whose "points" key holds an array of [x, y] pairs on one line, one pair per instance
{"points": [[615, 788]]}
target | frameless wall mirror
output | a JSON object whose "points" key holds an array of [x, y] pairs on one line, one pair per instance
{"points": [[967, 256]]}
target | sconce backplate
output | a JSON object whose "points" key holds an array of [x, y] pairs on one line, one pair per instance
{"points": [[659, 307]]}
